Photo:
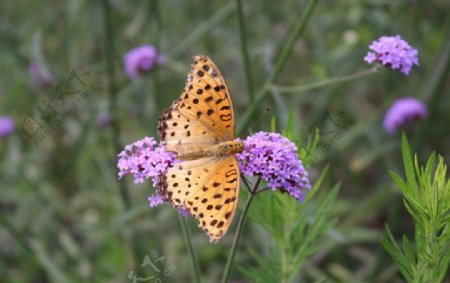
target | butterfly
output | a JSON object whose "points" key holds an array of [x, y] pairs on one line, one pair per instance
{"points": [[199, 128]]}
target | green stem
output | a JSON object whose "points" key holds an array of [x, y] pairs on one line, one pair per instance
{"points": [[140, 98], [326, 82], [191, 252], [205, 27], [155, 21], [244, 50], [240, 228], [8, 37], [434, 92], [285, 266], [112, 91], [237, 237], [281, 62], [18, 236]]}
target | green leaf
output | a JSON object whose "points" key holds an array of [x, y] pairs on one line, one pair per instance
{"points": [[399, 258], [398, 181], [316, 186], [409, 167]]}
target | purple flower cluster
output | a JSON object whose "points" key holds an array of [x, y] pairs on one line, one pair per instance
{"points": [[40, 75], [141, 60], [275, 159], [393, 52], [7, 126], [143, 159], [404, 110]]}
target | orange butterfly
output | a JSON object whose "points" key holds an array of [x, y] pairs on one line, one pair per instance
{"points": [[199, 128]]}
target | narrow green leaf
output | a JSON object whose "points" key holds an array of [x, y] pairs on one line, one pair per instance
{"points": [[430, 165], [409, 167], [316, 186], [398, 181], [399, 258]]}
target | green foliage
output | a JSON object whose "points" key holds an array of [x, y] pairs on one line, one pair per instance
{"points": [[296, 232], [426, 194]]}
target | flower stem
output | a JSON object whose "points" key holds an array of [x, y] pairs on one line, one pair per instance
{"points": [[204, 28], [240, 228], [112, 90], [284, 266], [244, 50], [237, 237], [281, 62], [191, 252], [17, 235], [155, 21], [326, 82]]}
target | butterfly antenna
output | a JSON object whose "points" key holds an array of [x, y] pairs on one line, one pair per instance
{"points": [[263, 113]]}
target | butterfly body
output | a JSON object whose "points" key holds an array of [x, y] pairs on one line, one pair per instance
{"points": [[199, 128], [220, 150]]}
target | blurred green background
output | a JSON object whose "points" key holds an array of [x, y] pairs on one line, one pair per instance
{"points": [[64, 217]]}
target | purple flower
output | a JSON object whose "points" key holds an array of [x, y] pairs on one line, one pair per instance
{"points": [[402, 111], [143, 160], [7, 126], [40, 74], [155, 200], [103, 120], [141, 60], [275, 159], [393, 52], [183, 212]]}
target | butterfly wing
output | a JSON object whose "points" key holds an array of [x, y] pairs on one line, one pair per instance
{"points": [[203, 115], [208, 188], [207, 93], [180, 133]]}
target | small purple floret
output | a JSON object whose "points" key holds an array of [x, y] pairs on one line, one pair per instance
{"points": [[103, 120], [184, 212], [40, 74], [155, 200], [7, 126]]}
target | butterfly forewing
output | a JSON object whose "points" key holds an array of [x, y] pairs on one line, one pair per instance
{"points": [[205, 101], [181, 133], [206, 92]]}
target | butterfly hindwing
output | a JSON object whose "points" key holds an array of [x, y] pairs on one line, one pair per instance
{"points": [[221, 192], [208, 188]]}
